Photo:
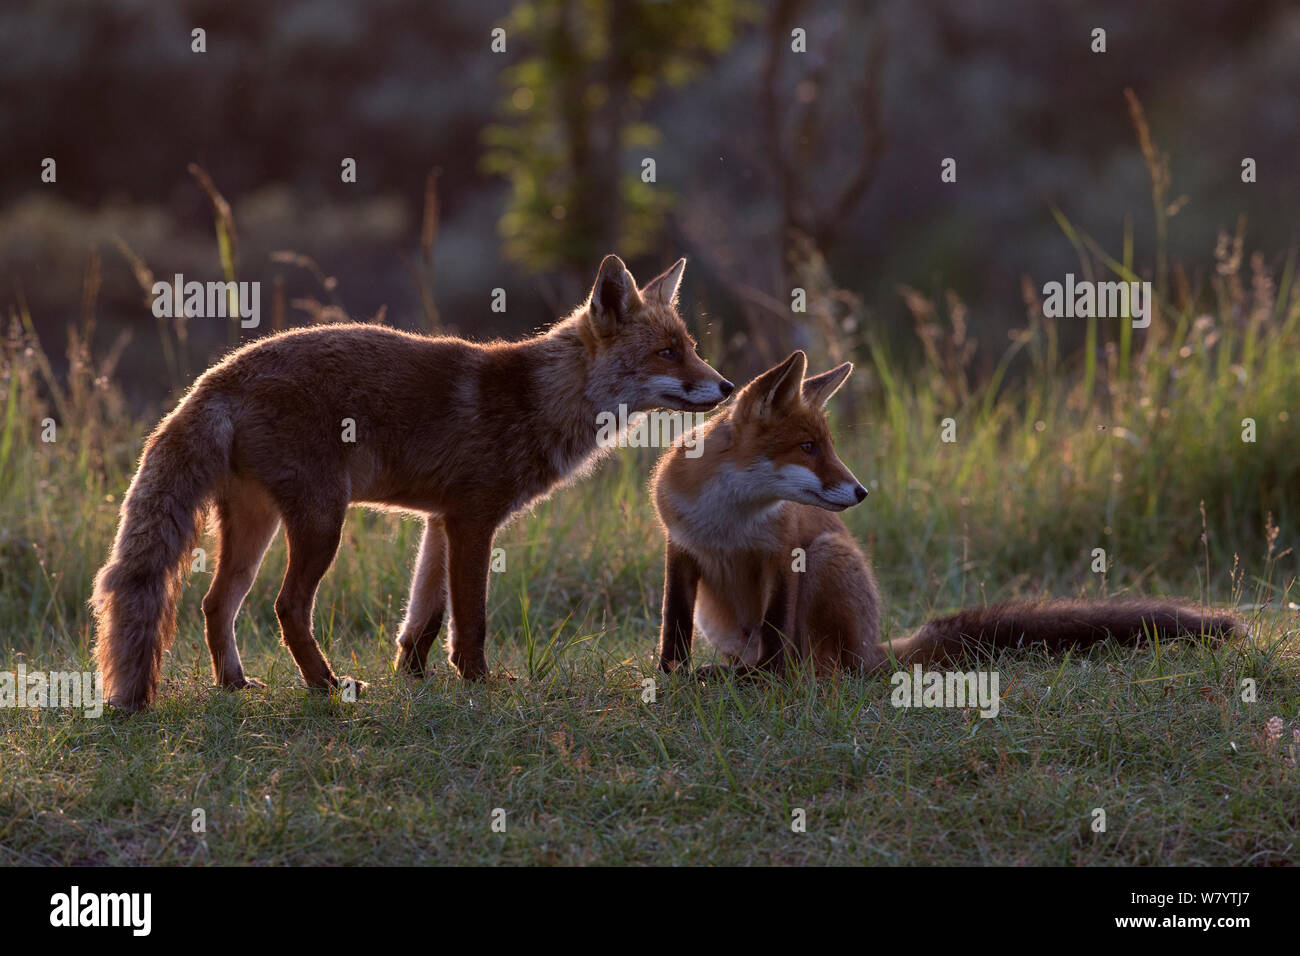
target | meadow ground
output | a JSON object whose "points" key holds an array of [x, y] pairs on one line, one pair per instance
{"points": [[1138, 448]]}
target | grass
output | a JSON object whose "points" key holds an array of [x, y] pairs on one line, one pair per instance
{"points": [[1135, 447], [586, 771]]}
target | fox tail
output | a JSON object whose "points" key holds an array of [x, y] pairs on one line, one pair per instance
{"points": [[1062, 624], [135, 595]]}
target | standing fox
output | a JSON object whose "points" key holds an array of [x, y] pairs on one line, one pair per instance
{"points": [[463, 433], [764, 481]]}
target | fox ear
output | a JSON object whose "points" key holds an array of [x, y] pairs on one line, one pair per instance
{"points": [[817, 391], [775, 390], [613, 297], [663, 288]]}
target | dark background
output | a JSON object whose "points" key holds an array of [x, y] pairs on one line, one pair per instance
{"points": [[539, 151]]}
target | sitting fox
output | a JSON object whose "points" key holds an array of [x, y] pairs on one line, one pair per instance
{"points": [[763, 480], [296, 427]]}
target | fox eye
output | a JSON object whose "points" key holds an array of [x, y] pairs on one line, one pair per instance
{"points": [[670, 354], [809, 446]]}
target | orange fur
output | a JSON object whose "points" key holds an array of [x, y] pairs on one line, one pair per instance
{"points": [[466, 434], [759, 563]]}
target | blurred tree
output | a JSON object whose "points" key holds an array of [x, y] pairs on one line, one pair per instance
{"points": [[821, 139], [573, 137], [799, 134]]}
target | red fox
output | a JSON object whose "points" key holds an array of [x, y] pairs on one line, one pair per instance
{"points": [[763, 480], [466, 434]]}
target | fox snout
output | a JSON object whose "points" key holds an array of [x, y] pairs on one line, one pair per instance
{"points": [[708, 385], [829, 489], [838, 490], [844, 494], [699, 390], [836, 487], [708, 392]]}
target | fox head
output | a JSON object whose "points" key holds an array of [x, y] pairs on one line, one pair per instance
{"points": [[780, 442], [643, 355]]}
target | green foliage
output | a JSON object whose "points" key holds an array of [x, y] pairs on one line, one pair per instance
{"points": [[572, 137]]}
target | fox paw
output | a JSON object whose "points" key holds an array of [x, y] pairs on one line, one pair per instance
{"points": [[242, 683], [712, 673], [471, 668], [409, 663], [351, 689], [126, 705]]}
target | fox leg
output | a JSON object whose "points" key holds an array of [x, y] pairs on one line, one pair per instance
{"points": [[469, 549], [428, 604], [776, 633], [247, 521], [840, 610], [313, 542], [681, 582]]}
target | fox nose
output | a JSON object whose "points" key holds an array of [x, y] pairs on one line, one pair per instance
{"points": [[726, 388], [860, 492]]}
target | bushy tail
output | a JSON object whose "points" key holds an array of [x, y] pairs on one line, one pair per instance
{"points": [[1061, 624], [135, 594]]}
